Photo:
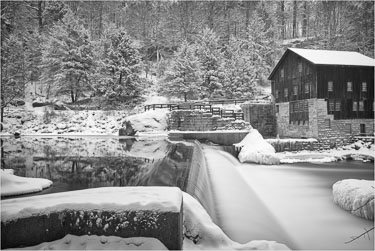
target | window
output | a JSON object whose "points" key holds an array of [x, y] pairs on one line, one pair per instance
{"points": [[306, 107], [331, 106], [286, 92], [361, 106], [330, 86], [300, 67], [338, 106], [364, 86], [276, 94], [349, 86], [307, 87], [277, 109], [295, 90], [355, 106], [282, 73]]}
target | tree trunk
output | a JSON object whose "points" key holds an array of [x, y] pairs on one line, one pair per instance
{"points": [[40, 16], [294, 19], [282, 8], [72, 95], [304, 20]]}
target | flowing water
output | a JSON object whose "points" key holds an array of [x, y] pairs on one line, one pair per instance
{"points": [[295, 200]]}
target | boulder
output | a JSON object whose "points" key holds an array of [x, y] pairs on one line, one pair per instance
{"points": [[253, 148], [128, 130]]}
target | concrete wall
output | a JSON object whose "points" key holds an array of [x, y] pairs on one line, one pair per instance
{"points": [[198, 120], [261, 117], [225, 138]]}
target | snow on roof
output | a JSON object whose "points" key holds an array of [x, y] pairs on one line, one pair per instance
{"points": [[327, 57], [165, 199]]}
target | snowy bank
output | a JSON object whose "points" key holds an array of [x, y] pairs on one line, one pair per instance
{"points": [[356, 196], [16, 185], [255, 149], [150, 121]]}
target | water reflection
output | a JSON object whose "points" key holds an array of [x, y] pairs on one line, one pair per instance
{"points": [[87, 162]]}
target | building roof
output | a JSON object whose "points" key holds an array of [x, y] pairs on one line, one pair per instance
{"points": [[328, 57]]}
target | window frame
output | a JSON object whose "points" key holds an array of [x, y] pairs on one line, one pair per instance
{"points": [[330, 86], [349, 86]]}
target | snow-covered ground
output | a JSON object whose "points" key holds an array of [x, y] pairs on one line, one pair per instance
{"points": [[355, 196], [359, 150], [16, 185]]}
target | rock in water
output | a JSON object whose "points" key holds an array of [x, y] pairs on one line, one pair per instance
{"points": [[128, 130]]}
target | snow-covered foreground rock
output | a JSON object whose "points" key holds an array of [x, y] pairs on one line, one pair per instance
{"points": [[355, 196], [150, 121], [16, 185], [255, 149]]}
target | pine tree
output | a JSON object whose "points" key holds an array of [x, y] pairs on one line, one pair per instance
{"points": [[183, 79], [120, 66], [67, 61], [12, 70], [211, 59]]}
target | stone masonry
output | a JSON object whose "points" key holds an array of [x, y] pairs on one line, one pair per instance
{"points": [[198, 120], [261, 117], [321, 125]]}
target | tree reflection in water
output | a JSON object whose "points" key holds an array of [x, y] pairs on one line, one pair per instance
{"points": [[98, 162]]}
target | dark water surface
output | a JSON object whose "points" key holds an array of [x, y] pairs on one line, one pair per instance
{"points": [[75, 163]]}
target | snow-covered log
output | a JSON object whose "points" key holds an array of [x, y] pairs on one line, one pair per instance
{"points": [[356, 196]]}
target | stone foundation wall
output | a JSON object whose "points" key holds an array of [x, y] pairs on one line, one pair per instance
{"points": [[286, 129], [261, 117], [321, 125], [198, 120]]}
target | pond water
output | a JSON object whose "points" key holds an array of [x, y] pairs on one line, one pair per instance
{"points": [[87, 162]]}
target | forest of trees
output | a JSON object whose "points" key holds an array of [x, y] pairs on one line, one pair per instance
{"points": [[197, 49]]}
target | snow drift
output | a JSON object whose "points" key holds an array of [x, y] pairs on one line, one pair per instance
{"points": [[356, 196], [16, 185], [255, 149]]}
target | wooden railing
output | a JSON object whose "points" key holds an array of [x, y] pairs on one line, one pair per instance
{"points": [[207, 108]]}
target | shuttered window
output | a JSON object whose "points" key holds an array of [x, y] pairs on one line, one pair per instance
{"points": [[364, 86], [338, 106], [330, 86], [349, 86], [355, 106]]}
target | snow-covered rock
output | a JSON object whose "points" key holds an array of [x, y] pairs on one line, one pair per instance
{"points": [[150, 121], [255, 149], [16, 185], [356, 196]]}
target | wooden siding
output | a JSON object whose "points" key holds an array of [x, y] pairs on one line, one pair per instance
{"points": [[294, 81], [340, 99]]}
